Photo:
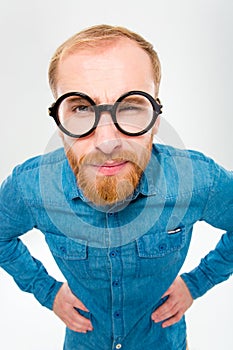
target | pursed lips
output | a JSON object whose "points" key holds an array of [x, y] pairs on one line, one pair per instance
{"points": [[111, 167]]}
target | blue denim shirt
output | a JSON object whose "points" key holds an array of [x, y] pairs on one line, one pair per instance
{"points": [[119, 260]]}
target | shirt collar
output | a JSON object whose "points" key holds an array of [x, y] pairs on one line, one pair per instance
{"points": [[147, 186], [70, 187]]}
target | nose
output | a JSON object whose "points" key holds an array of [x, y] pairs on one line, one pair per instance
{"points": [[107, 137]]}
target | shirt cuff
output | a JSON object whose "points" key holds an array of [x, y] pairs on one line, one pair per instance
{"points": [[47, 292], [197, 282]]}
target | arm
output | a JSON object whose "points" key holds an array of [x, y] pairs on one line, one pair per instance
{"points": [[28, 272], [217, 266]]}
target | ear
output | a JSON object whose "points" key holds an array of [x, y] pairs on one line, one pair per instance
{"points": [[155, 128]]}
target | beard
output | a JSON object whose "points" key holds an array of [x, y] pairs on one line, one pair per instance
{"points": [[108, 189]]}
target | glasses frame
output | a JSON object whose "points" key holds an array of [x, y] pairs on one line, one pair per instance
{"points": [[111, 108]]}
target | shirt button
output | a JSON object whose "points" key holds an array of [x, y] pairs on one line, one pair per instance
{"points": [[117, 314], [113, 253], [115, 283], [162, 247], [118, 346]]}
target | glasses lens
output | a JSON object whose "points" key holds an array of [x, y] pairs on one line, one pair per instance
{"points": [[76, 115], [134, 113]]}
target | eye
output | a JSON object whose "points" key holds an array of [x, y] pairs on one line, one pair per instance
{"points": [[129, 107], [80, 108], [75, 105]]}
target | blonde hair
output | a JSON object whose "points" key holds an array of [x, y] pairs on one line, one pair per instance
{"points": [[95, 36]]}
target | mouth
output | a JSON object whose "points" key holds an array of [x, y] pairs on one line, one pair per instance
{"points": [[111, 168]]}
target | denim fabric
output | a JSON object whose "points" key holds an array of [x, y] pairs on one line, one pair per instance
{"points": [[119, 260]]}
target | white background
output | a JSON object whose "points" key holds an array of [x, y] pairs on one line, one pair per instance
{"points": [[194, 40]]}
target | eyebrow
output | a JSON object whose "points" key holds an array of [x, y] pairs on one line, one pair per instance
{"points": [[76, 98], [137, 100], [132, 98]]}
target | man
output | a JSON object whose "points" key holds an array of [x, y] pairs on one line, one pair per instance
{"points": [[116, 210]]}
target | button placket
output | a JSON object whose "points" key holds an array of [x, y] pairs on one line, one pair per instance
{"points": [[115, 259], [117, 293]]}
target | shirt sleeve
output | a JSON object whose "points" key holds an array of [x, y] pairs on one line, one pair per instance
{"points": [[217, 265], [28, 272]]}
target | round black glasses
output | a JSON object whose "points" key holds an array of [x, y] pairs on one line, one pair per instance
{"points": [[133, 114]]}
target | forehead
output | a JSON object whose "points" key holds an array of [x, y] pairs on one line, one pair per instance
{"points": [[120, 65], [99, 47]]}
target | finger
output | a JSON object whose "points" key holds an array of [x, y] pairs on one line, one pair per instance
{"points": [[78, 304], [168, 292], [172, 320], [77, 322], [165, 311], [77, 327]]}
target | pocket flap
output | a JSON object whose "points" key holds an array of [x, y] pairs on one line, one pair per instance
{"points": [[159, 244], [66, 248]]}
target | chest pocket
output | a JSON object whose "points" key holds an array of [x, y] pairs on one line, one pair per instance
{"points": [[66, 248], [160, 244], [160, 254], [77, 258], [70, 255]]}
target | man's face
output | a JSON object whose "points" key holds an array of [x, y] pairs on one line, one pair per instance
{"points": [[108, 164]]}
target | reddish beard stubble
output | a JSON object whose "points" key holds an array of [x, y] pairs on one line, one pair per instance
{"points": [[108, 189]]}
